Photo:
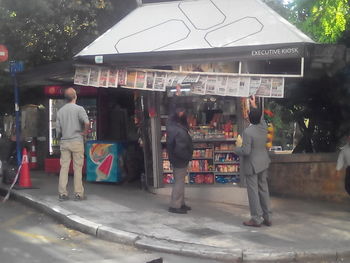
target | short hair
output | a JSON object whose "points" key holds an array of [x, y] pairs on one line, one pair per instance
{"points": [[255, 116], [70, 94]]}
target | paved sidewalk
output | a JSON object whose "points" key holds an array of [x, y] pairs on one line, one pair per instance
{"points": [[126, 214]]}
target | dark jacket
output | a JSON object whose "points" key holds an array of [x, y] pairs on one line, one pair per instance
{"points": [[179, 145], [179, 141]]}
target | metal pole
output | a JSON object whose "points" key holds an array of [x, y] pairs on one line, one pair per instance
{"points": [[17, 114]]}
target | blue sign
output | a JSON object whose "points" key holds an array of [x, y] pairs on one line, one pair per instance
{"points": [[16, 67]]}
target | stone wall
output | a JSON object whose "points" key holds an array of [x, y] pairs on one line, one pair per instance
{"points": [[310, 176]]}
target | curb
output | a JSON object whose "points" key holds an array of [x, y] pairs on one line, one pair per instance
{"points": [[169, 246], [188, 249], [118, 236]]}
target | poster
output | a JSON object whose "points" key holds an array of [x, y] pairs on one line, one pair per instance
{"points": [[210, 87], [140, 80], [179, 78], [221, 85], [265, 88], [82, 75], [122, 76], [159, 81], [277, 87], [170, 79], [113, 78], [243, 88], [191, 78], [104, 77], [254, 85], [102, 162], [131, 79], [149, 80], [199, 87], [232, 86], [94, 79]]}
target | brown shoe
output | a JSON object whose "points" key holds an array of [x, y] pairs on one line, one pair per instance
{"points": [[251, 223], [267, 222]]}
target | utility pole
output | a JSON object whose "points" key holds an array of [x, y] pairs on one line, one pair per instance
{"points": [[15, 67]]}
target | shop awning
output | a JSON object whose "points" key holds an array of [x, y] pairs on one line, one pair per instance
{"points": [[197, 31]]}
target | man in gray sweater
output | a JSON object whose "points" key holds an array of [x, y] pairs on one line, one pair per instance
{"points": [[72, 125]]}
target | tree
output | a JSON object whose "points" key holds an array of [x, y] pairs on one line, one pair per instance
{"points": [[325, 20], [46, 31], [320, 107], [43, 31]]}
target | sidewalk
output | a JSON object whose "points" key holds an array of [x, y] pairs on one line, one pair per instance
{"points": [[128, 215]]}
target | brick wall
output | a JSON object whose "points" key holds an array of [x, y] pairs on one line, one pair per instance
{"points": [[310, 176]]}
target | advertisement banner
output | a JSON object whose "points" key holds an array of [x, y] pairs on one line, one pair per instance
{"points": [[82, 75], [94, 78], [113, 78], [220, 85]]}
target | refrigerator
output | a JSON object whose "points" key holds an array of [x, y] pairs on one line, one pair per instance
{"points": [[104, 161]]}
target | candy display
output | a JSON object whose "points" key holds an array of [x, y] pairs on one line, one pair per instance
{"points": [[212, 163], [224, 147], [226, 157], [201, 178], [227, 179], [199, 166], [165, 154], [168, 179], [227, 168], [166, 166], [202, 145], [204, 153]]}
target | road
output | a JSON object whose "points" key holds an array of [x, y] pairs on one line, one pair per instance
{"points": [[28, 236]]}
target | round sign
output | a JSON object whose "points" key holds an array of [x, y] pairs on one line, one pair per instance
{"points": [[4, 54]]}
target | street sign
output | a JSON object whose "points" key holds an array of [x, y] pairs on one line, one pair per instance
{"points": [[16, 67], [4, 54]]}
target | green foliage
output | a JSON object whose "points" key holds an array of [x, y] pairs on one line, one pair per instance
{"points": [[325, 20], [43, 31]]}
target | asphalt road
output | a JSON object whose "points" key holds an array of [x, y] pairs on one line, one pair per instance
{"points": [[28, 236]]}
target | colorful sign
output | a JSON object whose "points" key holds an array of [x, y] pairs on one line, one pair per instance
{"points": [[102, 162], [4, 54]]}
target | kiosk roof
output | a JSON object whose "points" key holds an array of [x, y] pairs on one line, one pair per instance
{"points": [[197, 29]]}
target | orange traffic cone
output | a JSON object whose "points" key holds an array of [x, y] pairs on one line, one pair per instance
{"points": [[24, 179]]}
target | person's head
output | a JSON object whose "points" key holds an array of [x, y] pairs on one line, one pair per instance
{"points": [[254, 116], [348, 139], [70, 95], [181, 116]]}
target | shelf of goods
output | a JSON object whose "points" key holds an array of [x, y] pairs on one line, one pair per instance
{"points": [[213, 163]]}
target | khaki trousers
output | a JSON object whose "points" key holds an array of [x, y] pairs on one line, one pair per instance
{"points": [[178, 193], [71, 149]]}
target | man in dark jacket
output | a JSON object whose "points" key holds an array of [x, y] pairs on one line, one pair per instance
{"points": [[180, 149]]}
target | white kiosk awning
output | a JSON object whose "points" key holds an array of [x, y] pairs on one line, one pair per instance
{"points": [[195, 31]]}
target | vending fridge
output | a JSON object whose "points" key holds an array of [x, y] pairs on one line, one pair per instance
{"points": [[103, 161], [87, 97]]}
